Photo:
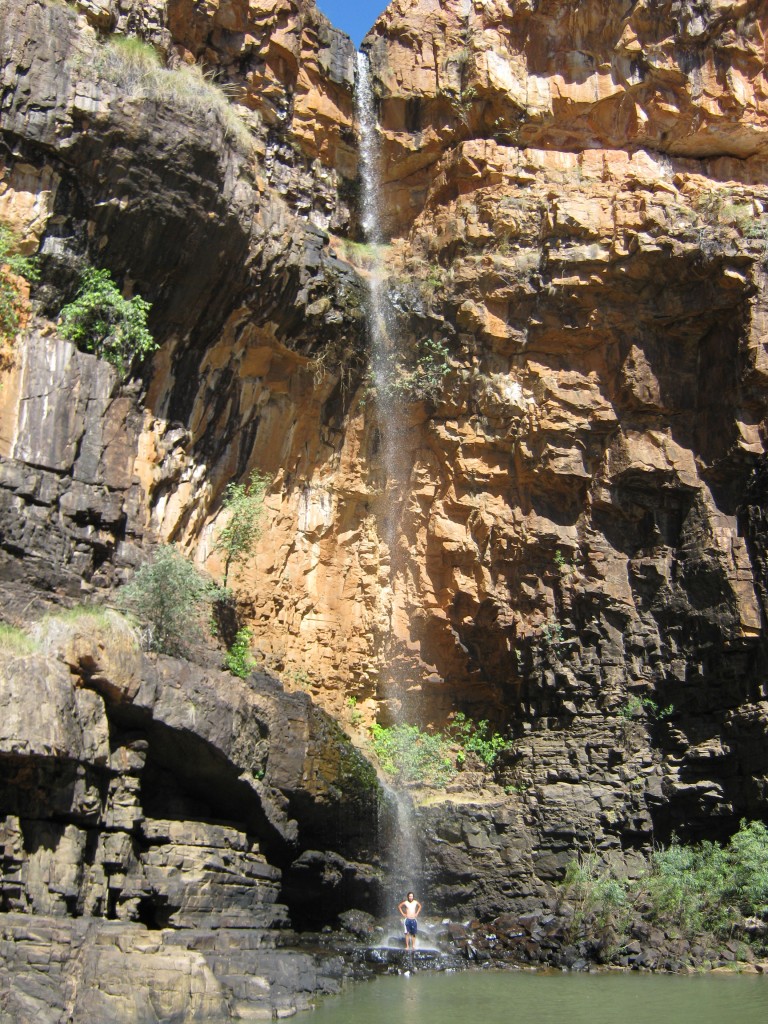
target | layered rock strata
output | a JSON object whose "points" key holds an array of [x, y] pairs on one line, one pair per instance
{"points": [[155, 819]]}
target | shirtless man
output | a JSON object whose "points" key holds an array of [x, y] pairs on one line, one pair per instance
{"points": [[410, 909]]}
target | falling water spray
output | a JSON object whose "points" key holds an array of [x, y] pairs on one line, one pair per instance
{"points": [[404, 853]]}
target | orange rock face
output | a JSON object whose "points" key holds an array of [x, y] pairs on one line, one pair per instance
{"points": [[567, 78], [591, 281], [283, 59]]}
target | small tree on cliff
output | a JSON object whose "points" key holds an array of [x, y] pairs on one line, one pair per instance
{"points": [[244, 504], [102, 321], [15, 269], [170, 596]]}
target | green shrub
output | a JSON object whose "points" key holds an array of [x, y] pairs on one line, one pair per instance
{"points": [[170, 597], [417, 380], [12, 266], [703, 887], [748, 864], [475, 736], [101, 321], [300, 677], [596, 893], [245, 505], [409, 755], [710, 886], [552, 633], [635, 706], [238, 658], [355, 714], [674, 889]]}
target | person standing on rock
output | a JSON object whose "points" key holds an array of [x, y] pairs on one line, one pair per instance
{"points": [[410, 909]]}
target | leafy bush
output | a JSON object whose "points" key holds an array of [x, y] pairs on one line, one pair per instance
{"points": [[410, 755], [355, 714], [12, 267], [634, 706], [238, 658], [101, 321], [245, 505], [419, 380], [708, 885], [699, 888], [169, 596], [674, 888], [596, 894], [475, 736]]}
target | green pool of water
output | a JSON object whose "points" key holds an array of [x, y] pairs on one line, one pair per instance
{"points": [[520, 997]]}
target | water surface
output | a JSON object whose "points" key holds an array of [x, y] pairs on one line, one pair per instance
{"points": [[521, 997]]}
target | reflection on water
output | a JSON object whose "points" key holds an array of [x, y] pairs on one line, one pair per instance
{"points": [[502, 997]]}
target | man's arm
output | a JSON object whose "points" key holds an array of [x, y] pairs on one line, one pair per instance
{"points": [[418, 908], [400, 908]]}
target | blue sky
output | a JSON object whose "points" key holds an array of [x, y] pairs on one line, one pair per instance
{"points": [[354, 17]]}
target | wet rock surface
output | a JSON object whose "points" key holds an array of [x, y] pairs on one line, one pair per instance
{"points": [[554, 936]]}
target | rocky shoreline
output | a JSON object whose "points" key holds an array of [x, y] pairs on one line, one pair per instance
{"points": [[82, 971], [78, 971], [548, 938]]}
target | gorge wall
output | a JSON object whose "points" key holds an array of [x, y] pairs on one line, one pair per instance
{"points": [[575, 200]]}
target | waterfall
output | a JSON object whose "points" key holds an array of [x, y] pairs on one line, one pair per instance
{"points": [[385, 350], [367, 123], [404, 853]]}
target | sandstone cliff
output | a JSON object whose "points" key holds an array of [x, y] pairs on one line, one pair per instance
{"points": [[575, 201]]}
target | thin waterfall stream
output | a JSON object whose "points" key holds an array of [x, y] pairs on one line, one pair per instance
{"points": [[404, 853], [383, 336]]}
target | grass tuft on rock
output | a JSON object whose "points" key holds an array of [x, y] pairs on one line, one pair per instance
{"points": [[136, 70], [54, 631], [15, 641]]}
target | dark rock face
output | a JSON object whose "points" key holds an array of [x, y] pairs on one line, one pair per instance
{"points": [[551, 936], [69, 503], [161, 796], [56, 970]]}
